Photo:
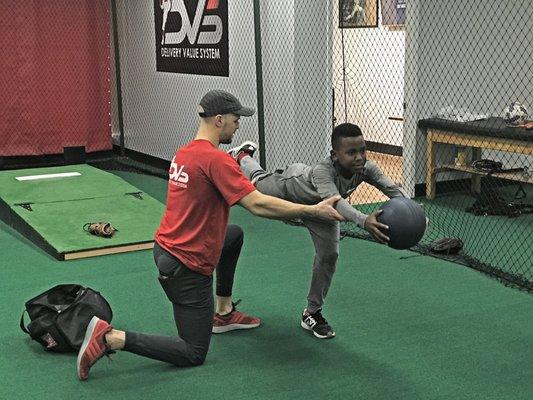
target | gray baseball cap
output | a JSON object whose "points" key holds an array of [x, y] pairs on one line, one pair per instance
{"points": [[220, 102]]}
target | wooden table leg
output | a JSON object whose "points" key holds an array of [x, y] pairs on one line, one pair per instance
{"points": [[476, 179], [430, 171]]}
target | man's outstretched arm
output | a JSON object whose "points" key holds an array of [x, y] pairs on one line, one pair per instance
{"points": [[266, 206]]}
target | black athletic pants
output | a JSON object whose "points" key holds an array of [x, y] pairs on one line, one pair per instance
{"points": [[191, 295]]}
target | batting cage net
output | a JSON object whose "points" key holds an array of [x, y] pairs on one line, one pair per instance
{"points": [[441, 90]]}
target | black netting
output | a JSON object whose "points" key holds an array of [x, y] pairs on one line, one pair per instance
{"points": [[129, 164], [418, 69]]}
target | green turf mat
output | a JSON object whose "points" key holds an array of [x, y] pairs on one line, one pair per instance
{"points": [[61, 223], [61, 206], [407, 329]]}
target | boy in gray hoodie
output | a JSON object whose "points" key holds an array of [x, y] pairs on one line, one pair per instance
{"points": [[340, 173]]}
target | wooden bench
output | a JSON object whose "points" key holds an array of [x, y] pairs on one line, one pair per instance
{"points": [[490, 134]]}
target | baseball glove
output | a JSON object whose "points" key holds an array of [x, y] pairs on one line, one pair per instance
{"points": [[103, 229], [447, 245]]}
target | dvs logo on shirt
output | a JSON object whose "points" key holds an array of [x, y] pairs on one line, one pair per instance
{"points": [[177, 175]]}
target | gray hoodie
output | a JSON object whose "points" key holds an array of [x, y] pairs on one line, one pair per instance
{"points": [[304, 184]]}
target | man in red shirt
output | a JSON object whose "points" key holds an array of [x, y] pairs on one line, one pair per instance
{"points": [[194, 238]]}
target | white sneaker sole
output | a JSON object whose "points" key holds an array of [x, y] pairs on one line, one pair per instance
{"points": [[233, 327], [308, 328], [232, 150]]}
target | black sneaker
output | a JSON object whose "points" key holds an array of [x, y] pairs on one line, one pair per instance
{"points": [[246, 147], [318, 324]]}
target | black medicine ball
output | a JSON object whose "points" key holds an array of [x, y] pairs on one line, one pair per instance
{"points": [[406, 221]]}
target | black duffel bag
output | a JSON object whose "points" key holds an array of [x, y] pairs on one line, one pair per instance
{"points": [[59, 316]]}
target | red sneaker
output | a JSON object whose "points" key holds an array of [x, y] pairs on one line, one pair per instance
{"points": [[234, 320], [93, 347]]}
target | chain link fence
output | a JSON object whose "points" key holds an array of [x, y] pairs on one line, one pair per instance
{"points": [[450, 70], [430, 83]]}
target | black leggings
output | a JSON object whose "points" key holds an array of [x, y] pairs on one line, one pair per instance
{"points": [[191, 295]]}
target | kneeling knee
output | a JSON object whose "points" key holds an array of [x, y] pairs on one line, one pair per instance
{"points": [[197, 359]]}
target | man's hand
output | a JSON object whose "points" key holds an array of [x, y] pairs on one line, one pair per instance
{"points": [[375, 228], [325, 211]]}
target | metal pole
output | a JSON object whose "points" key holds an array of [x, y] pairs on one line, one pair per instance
{"points": [[333, 119], [117, 75], [344, 77], [259, 82]]}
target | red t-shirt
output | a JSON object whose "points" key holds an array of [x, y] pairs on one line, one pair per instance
{"points": [[204, 182]]}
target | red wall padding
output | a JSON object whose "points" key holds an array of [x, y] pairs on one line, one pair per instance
{"points": [[54, 69]]}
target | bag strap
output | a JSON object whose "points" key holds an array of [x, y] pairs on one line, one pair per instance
{"points": [[22, 325]]}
